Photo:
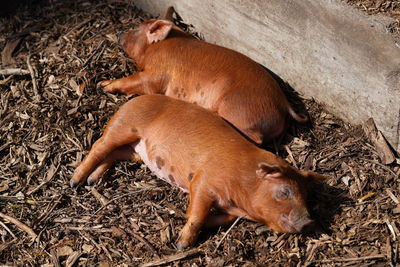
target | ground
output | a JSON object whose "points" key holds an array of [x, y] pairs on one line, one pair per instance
{"points": [[51, 114], [389, 8]]}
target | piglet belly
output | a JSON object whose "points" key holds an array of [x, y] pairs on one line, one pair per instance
{"points": [[161, 172]]}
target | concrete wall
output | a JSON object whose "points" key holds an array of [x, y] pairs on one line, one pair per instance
{"points": [[324, 49]]}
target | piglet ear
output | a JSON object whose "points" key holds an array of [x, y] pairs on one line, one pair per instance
{"points": [[266, 170], [313, 176], [158, 31]]}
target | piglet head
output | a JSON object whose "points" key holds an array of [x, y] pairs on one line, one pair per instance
{"points": [[138, 39], [280, 198]]}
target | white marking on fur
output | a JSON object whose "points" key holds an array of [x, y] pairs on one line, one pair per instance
{"points": [[161, 173]]}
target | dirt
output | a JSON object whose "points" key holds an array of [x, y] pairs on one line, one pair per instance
{"points": [[51, 115]]}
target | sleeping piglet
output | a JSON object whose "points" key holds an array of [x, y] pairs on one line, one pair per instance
{"points": [[174, 63], [196, 150]]}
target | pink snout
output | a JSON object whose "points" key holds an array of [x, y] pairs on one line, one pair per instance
{"points": [[296, 222]]}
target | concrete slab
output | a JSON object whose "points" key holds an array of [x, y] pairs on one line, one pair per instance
{"points": [[324, 49]]}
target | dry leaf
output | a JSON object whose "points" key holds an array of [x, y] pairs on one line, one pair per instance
{"points": [[104, 264], [72, 83], [112, 37], [379, 141], [87, 248], [345, 180], [396, 210], [64, 251], [4, 186], [8, 50], [72, 259], [80, 89]]}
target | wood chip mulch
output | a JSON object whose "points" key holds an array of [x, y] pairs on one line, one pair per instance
{"points": [[53, 54]]}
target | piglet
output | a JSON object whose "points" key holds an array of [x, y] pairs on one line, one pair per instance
{"points": [[173, 63], [196, 150]]}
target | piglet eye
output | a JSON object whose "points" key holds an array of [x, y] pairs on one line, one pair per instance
{"points": [[283, 192]]}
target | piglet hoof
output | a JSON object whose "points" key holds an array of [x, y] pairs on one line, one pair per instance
{"points": [[105, 85], [73, 184], [90, 181], [185, 241], [181, 246]]}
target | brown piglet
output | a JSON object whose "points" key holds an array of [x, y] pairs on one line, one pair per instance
{"points": [[196, 150], [176, 64]]}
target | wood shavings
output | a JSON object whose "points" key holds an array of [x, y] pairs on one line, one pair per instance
{"points": [[130, 216]]}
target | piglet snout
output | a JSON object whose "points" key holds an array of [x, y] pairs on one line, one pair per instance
{"points": [[296, 222]]}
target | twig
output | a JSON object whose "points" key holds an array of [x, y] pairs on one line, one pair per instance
{"points": [[291, 155], [93, 54], [5, 81], [172, 258], [54, 258], [5, 245], [99, 196], [7, 229], [25, 32], [73, 258], [79, 25], [391, 229], [279, 239], [389, 249], [100, 54], [116, 198], [12, 198], [70, 220], [383, 166], [50, 175], [227, 232], [14, 71], [106, 251], [143, 240], [356, 177], [99, 246], [311, 253], [34, 82], [392, 196], [379, 256], [20, 225], [52, 205], [81, 228]]}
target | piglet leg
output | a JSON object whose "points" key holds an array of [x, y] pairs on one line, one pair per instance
{"points": [[197, 213], [217, 220], [116, 135], [138, 83], [255, 136], [121, 153]]}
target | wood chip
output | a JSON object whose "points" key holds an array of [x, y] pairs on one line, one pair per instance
{"points": [[20, 225], [172, 258], [42, 143], [8, 50], [392, 196], [14, 71], [379, 141]]}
